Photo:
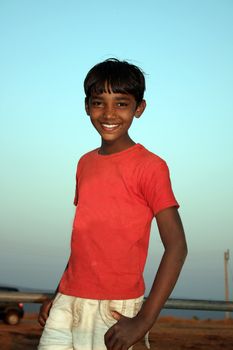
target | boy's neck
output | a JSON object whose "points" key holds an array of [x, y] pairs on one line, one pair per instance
{"points": [[110, 148]]}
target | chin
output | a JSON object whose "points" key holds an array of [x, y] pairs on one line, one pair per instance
{"points": [[109, 139]]}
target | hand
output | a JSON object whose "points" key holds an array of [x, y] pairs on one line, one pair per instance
{"points": [[44, 311], [125, 333]]}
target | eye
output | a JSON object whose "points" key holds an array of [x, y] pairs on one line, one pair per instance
{"points": [[96, 103], [122, 104]]}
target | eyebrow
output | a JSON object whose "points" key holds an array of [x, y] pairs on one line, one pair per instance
{"points": [[122, 98]]}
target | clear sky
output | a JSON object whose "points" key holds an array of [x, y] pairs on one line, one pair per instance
{"points": [[185, 48]]}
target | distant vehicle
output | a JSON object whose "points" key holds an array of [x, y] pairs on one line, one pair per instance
{"points": [[10, 312]]}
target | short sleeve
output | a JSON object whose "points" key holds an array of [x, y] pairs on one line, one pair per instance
{"points": [[156, 186]]}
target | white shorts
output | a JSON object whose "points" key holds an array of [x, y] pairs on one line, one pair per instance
{"points": [[80, 324]]}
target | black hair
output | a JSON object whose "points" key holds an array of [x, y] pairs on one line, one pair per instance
{"points": [[115, 76]]}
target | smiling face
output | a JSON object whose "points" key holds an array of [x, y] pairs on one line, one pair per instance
{"points": [[112, 114]]}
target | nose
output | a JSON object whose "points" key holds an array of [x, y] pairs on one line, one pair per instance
{"points": [[109, 112]]}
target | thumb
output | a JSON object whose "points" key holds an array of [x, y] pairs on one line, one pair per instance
{"points": [[116, 315]]}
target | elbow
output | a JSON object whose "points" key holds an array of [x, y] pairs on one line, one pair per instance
{"points": [[182, 250], [178, 251], [185, 253]]}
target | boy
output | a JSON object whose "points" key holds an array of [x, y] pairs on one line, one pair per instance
{"points": [[120, 187]]}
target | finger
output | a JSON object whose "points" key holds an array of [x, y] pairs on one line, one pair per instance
{"points": [[111, 341], [42, 317], [47, 308], [41, 321], [107, 337], [116, 344], [119, 345], [44, 312], [116, 315]]}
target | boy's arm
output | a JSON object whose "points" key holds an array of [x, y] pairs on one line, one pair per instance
{"points": [[127, 331], [46, 306]]}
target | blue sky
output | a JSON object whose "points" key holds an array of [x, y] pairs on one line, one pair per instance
{"points": [[186, 51]]}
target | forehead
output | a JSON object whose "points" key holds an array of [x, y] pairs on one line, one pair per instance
{"points": [[113, 96]]}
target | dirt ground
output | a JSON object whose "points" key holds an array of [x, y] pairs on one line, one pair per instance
{"points": [[168, 334]]}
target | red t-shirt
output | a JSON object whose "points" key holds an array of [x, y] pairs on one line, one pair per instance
{"points": [[117, 197]]}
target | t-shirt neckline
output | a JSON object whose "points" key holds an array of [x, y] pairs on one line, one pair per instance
{"points": [[117, 154]]}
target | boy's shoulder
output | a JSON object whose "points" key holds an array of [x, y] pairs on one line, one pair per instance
{"points": [[150, 156], [147, 159], [87, 155], [138, 156], [150, 164]]}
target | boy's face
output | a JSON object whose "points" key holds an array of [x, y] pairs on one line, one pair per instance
{"points": [[112, 114]]}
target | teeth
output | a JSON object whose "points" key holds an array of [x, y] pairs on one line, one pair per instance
{"points": [[110, 126]]}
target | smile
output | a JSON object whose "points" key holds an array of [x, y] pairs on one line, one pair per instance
{"points": [[109, 127]]}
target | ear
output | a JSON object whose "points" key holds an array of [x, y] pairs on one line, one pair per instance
{"points": [[140, 109], [87, 107]]}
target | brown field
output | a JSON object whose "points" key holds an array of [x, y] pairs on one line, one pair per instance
{"points": [[168, 334]]}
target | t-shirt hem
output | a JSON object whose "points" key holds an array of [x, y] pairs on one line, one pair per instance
{"points": [[103, 296]]}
